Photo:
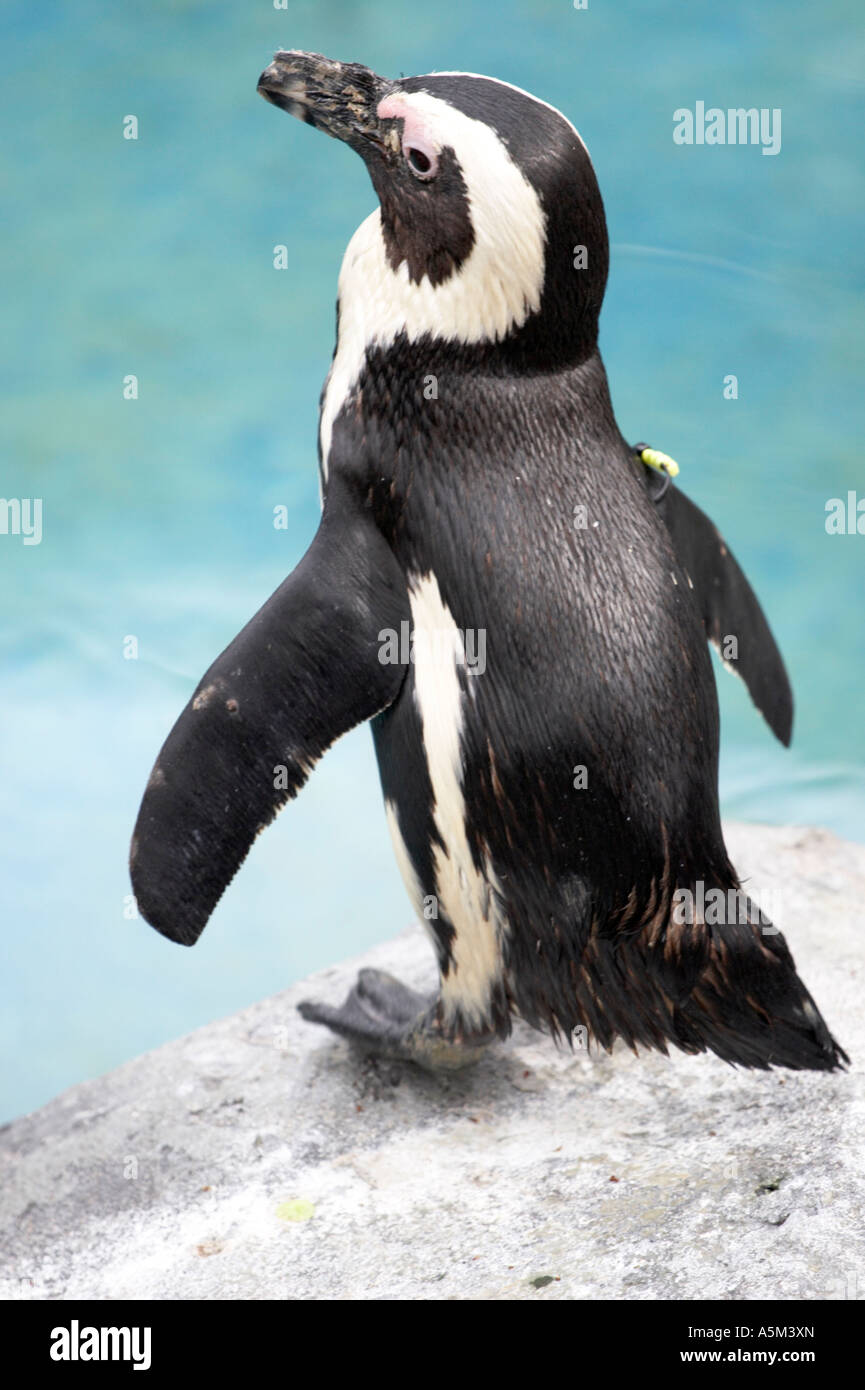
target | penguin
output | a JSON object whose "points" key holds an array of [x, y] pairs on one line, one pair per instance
{"points": [[518, 602]]}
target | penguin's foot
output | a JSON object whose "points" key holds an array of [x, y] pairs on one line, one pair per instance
{"points": [[385, 1017]]}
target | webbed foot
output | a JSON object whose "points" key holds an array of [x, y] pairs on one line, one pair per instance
{"points": [[383, 1016]]}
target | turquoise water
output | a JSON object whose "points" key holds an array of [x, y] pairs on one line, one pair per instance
{"points": [[154, 257]]}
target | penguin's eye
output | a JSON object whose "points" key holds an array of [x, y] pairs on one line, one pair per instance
{"points": [[421, 159]]}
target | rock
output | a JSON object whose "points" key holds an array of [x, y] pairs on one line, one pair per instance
{"points": [[261, 1158]]}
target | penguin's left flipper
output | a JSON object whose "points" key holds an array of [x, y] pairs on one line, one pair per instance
{"points": [[728, 604], [305, 670], [384, 1017]]}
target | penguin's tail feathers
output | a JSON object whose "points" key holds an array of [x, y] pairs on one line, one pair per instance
{"points": [[729, 985], [719, 978]]}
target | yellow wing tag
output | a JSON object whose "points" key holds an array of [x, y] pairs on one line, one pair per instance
{"points": [[655, 459]]}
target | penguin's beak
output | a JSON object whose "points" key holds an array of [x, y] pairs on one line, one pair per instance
{"points": [[339, 98]]}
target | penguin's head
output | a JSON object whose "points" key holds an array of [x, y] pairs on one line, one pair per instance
{"points": [[491, 227]]}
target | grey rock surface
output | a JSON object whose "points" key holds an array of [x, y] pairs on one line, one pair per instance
{"points": [[261, 1158]]}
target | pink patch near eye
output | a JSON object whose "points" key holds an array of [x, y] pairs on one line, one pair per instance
{"points": [[391, 107], [416, 134]]}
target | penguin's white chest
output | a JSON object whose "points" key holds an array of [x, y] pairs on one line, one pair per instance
{"points": [[468, 898]]}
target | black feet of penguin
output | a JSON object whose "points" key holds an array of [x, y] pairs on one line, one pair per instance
{"points": [[517, 602]]}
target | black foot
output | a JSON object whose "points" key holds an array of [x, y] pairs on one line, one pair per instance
{"points": [[383, 1016]]}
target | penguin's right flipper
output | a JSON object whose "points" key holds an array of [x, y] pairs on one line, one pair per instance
{"points": [[728, 604], [306, 669], [384, 1017]]}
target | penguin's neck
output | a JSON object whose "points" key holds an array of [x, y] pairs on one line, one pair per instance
{"points": [[508, 323], [489, 297]]}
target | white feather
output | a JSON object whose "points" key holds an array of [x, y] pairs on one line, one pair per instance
{"points": [[466, 897]]}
